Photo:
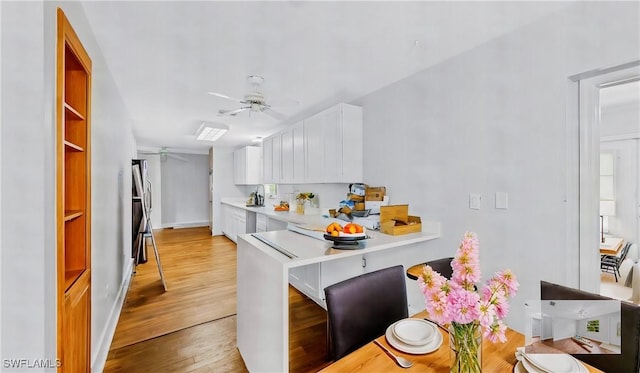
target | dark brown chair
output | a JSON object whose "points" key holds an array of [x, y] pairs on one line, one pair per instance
{"points": [[629, 358], [361, 308], [443, 266]]}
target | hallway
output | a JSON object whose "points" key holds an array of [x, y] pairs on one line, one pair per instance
{"points": [[192, 327]]}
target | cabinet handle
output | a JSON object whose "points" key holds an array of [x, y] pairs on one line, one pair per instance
{"points": [[364, 262]]}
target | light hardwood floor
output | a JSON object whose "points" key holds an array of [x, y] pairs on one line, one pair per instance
{"points": [[192, 327]]}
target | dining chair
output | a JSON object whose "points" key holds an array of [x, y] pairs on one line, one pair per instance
{"points": [[629, 358], [361, 308], [609, 263], [443, 266]]}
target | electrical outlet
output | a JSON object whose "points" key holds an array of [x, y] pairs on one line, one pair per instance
{"points": [[474, 201]]}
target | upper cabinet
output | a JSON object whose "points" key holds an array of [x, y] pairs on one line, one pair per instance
{"points": [[247, 164], [292, 154], [324, 148]]}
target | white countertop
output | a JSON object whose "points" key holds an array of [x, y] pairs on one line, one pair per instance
{"points": [[309, 250], [285, 216]]}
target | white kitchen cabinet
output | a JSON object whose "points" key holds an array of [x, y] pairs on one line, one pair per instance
{"points": [[267, 161], [247, 162], [276, 225], [324, 148], [236, 221], [292, 154], [334, 145], [271, 159], [261, 223]]}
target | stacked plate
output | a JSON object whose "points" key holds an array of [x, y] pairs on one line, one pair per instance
{"points": [[414, 336], [548, 363]]}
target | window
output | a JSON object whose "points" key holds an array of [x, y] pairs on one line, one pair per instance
{"points": [[607, 186], [270, 190], [593, 326]]}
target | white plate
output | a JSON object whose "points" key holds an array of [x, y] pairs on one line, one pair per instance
{"points": [[556, 363], [519, 368], [529, 367], [415, 332], [433, 345]]}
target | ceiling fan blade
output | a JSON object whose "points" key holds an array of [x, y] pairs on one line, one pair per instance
{"points": [[183, 159], [227, 97], [233, 112], [274, 114]]}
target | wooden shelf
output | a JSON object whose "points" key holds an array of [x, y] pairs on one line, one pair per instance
{"points": [[71, 276], [72, 214], [68, 145], [72, 113]]}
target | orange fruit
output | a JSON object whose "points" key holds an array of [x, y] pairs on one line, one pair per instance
{"points": [[359, 229], [335, 233]]}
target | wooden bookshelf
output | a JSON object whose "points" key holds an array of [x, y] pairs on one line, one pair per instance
{"points": [[73, 199]]}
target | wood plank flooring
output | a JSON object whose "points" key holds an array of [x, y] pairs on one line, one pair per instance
{"points": [[192, 327]]}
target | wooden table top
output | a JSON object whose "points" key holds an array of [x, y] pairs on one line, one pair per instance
{"points": [[498, 357], [611, 246], [414, 271]]}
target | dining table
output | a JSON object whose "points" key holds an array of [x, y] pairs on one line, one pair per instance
{"points": [[496, 357], [611, 246]]}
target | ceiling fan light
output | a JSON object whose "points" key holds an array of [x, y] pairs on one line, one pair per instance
{"points": [[211, 131]]}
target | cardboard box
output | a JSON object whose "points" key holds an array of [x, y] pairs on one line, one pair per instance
{"points": [[395, 220], [375, 193]]}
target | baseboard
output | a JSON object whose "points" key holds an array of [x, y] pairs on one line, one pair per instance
{"points": [[191, 224], [100, 357]]}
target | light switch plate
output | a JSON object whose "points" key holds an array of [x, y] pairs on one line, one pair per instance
{"points": [[502, 200], [474, 201]]}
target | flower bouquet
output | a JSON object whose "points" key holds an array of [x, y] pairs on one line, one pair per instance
{"points": [[470, 314]]}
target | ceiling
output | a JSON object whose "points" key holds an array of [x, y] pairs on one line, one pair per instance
{"points": [[580, 309], [166, 55]]}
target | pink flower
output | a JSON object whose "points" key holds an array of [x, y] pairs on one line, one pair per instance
{"points": [[496, 332], [458, 300], [430, 280], [487, 313], [509, 281], [462, 306], [502, 306]]}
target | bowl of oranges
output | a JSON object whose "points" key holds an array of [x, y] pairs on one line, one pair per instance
{"points": [[350, 233]]}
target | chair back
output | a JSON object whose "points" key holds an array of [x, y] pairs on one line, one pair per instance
{"points": [[361, 308], [442, 266], [623, 254], [629, 358]]}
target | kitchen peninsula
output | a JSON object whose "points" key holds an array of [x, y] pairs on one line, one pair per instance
{"points": [[267, 260]]}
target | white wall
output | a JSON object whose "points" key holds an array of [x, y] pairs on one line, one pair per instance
{"points": [[491, 120], [622, 123], [28, 301], [185, 188], [223, 186], [563, 328], [604, 334], [28, 178], [625, 224]]}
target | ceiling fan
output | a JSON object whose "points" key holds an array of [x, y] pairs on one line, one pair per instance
{"points": [[164, 153], [254, 101]]}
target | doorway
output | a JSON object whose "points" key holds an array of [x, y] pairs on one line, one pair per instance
{"points": [[597, 95]]}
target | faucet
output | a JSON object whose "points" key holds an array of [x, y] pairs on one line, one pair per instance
{"points": [[259, 197]]}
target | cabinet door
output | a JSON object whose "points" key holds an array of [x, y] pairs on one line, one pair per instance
{"points": [[239, 166], [314, 140], [332, 127], [298, 153], [286, 140], [267, 160], [277, 165], [253, 165], [76, 326]]}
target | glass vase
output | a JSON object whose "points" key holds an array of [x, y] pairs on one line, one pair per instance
{"points": [[300, 207], [465, 348]]}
